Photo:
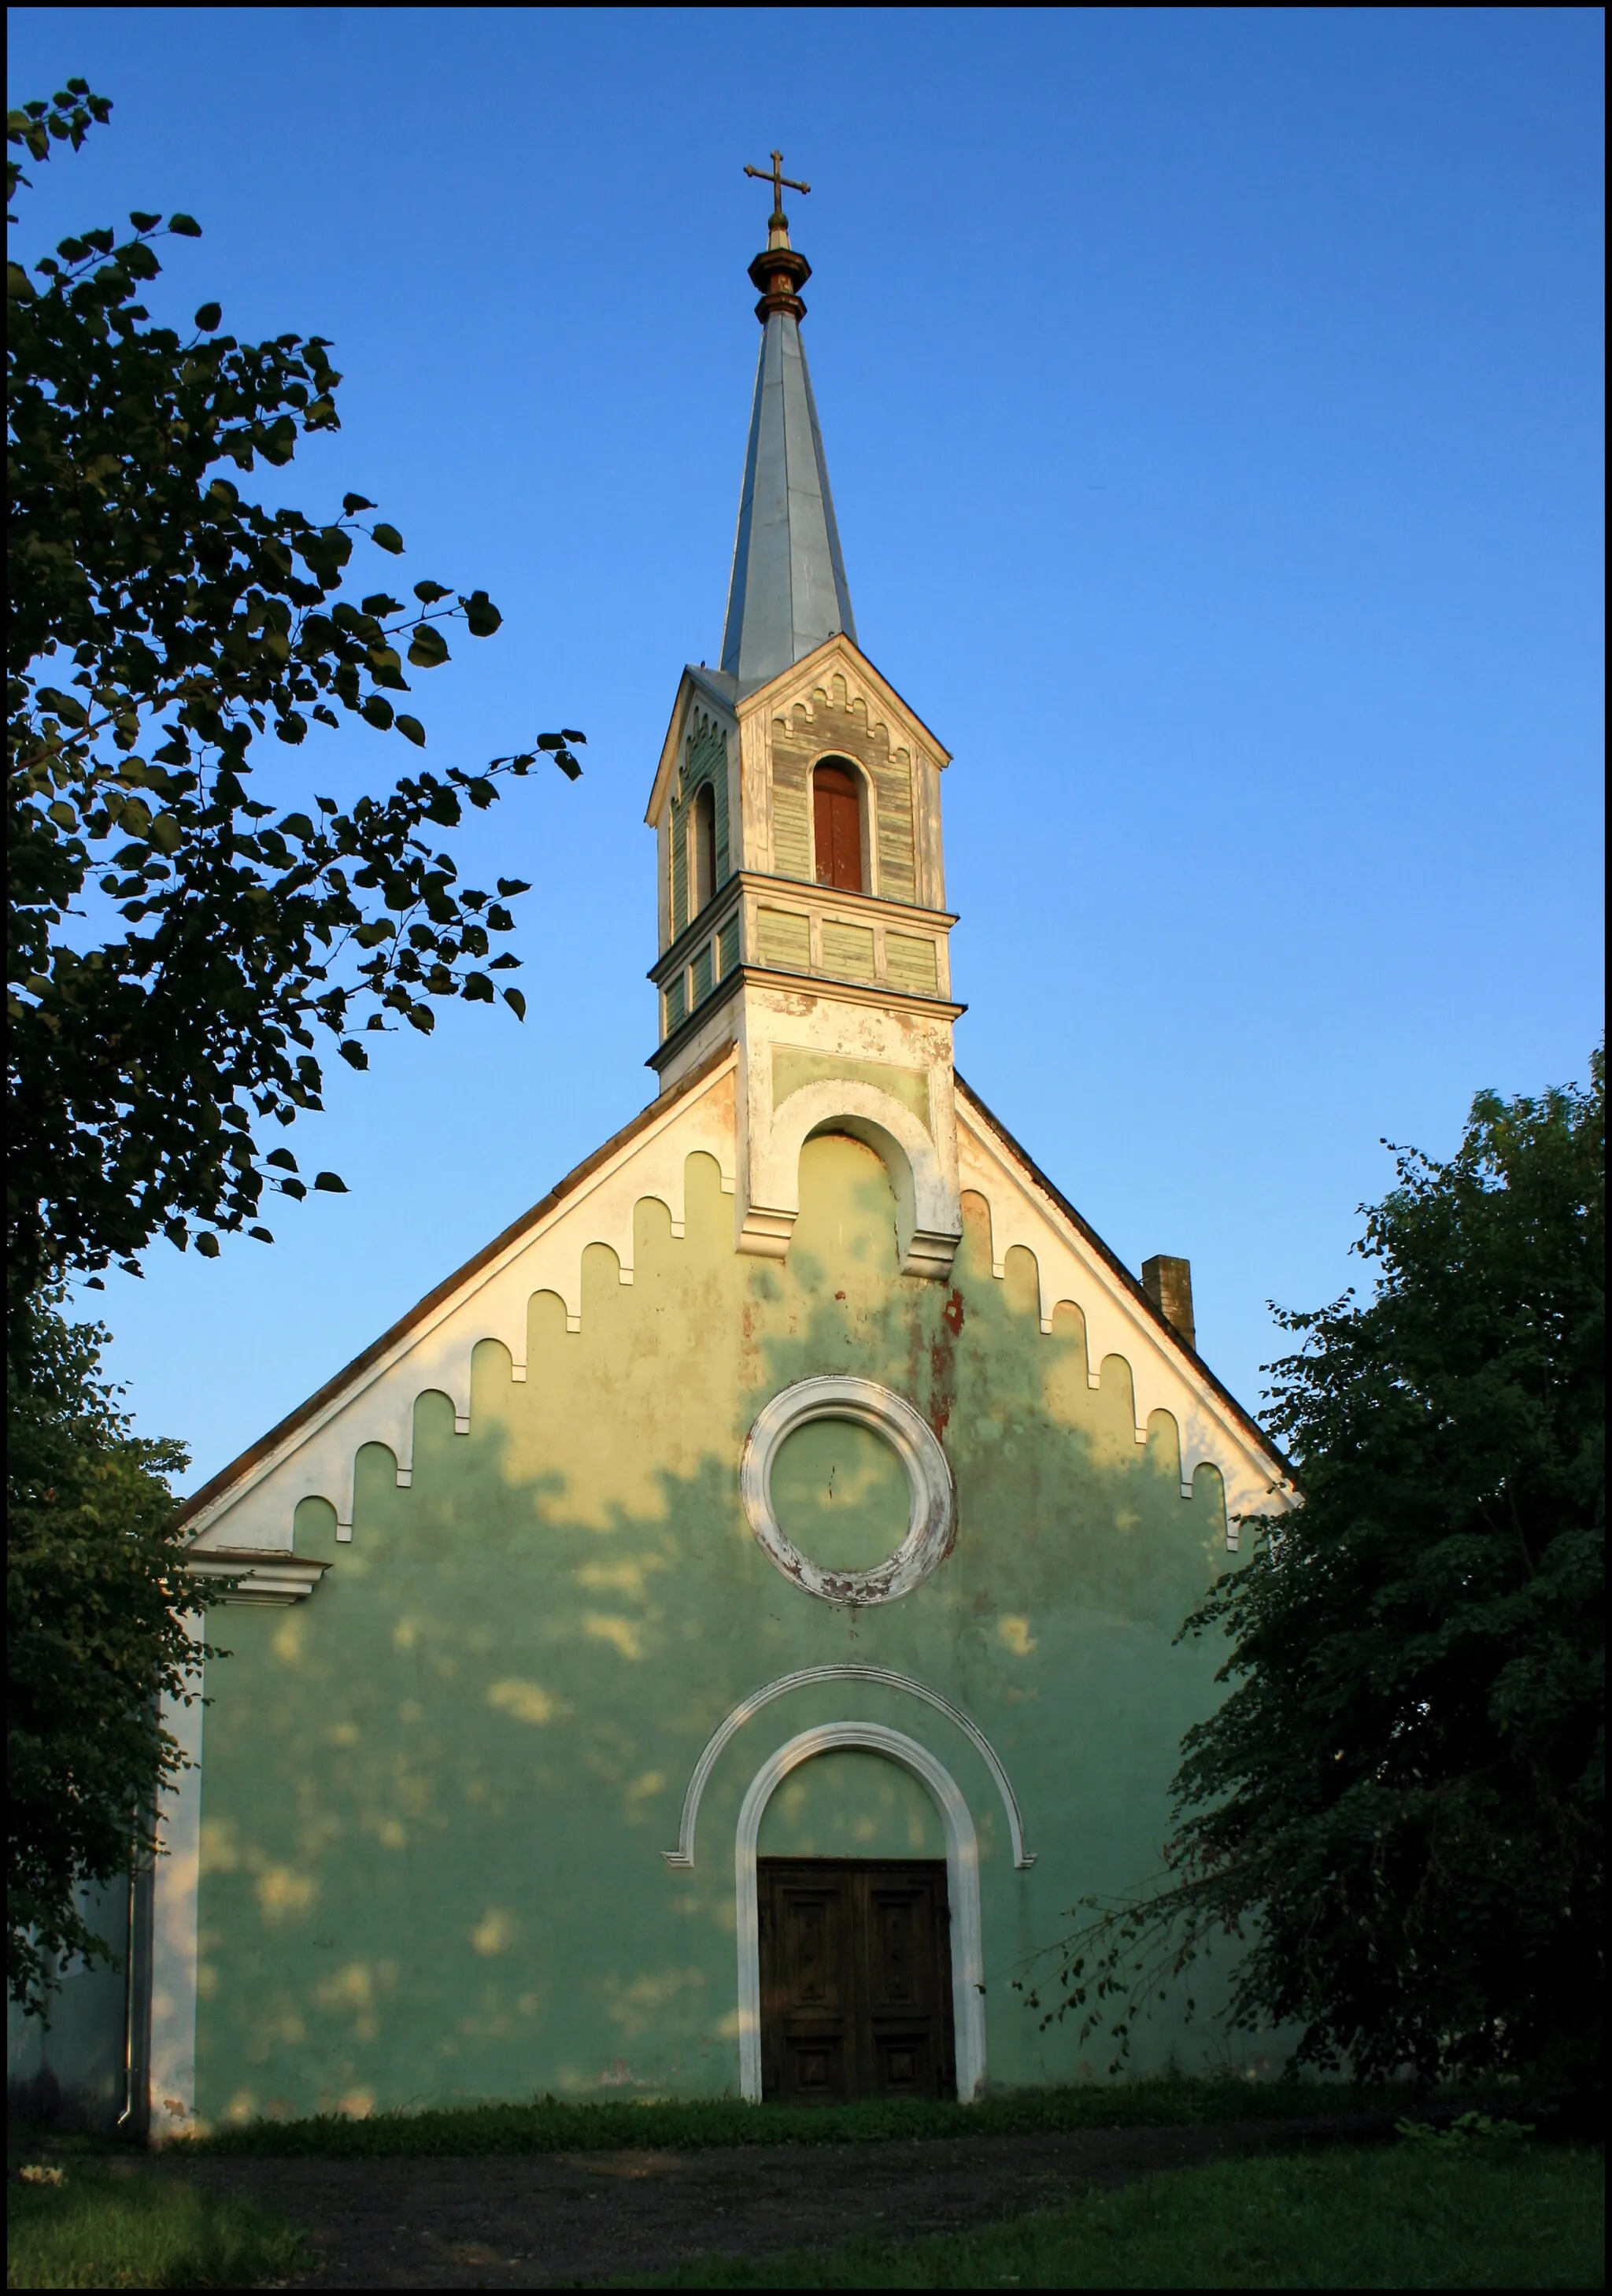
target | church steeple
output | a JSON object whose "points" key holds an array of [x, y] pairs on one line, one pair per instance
{"points": [[789, 590], [803, 924]]}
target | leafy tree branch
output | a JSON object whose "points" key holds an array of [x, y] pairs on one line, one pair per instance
{"points": [[163, 624], [1395, 1817]]}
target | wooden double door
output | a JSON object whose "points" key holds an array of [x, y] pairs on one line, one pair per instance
{"points": [[855, 1978]]}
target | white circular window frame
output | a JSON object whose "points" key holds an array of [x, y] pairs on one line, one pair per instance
{"points": [[932, 1513]]}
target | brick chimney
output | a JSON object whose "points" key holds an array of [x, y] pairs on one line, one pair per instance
{"points": [[1169, 1284]]}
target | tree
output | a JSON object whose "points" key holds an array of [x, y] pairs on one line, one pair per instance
{"points": [[1397, 1811], [97, 1600], [179, 947]]}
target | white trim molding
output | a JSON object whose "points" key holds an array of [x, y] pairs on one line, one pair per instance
{"points": [[257, 1574], [962, 1889], [683, 1855], [932, 1519], [175, 1939]]}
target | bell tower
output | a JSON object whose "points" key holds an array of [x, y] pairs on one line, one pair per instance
{"points": [[797, 811]]}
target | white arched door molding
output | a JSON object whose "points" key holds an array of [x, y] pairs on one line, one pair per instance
{"points": [[807, 1677], [962, 1889]]}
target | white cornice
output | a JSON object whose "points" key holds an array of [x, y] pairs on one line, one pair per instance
{"points": [[257, 1575]]}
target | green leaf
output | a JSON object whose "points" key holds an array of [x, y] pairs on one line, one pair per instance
{"points": [[377, 710], [516, 1002], [428, 593], [411, 729], [142, 222], [354, 1054], [427, 648], [209, 317], [387, 537], [70, 712], [186, 226], [480, 613], [207, 1244], [379, 603], [283, 1158], [351, 502], [261, 1233], [332, 1183]]}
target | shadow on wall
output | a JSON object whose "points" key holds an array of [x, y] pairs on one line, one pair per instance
{"points": [[67, 2073], [437, 1792]]}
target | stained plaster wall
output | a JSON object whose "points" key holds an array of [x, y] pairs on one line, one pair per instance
{"points": [[436, 1794]]}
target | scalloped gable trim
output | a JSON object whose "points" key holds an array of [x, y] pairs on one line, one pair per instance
{"points": [[352, 1375], [1059, 1205]]}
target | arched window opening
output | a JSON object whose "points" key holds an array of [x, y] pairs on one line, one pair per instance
{"points": [[836, 826], [702, 845]]}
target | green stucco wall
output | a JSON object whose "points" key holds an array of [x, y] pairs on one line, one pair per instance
{"points": [[436, 1793]]}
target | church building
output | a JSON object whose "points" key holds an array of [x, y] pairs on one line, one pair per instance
{"points": [[710, 1644]]}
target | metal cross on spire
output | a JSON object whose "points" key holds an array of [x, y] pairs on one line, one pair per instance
{"points": [[780, 182]]}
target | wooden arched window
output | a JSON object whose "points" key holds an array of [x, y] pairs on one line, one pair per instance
{"points": [[836, 826], [702, 848]]}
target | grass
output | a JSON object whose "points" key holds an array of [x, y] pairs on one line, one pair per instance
{"points": [[1401, 2216], [99, 2228], [550, 2126]]}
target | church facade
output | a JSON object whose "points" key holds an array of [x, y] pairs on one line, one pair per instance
{"points": [[710, 1644]]}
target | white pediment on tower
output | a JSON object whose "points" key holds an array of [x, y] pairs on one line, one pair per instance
{"points": [[699, 690], [808, 683]]}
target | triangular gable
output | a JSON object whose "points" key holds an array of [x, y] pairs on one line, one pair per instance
{"points": [[724, 696], [718, 690], [250, 1505], [811, 670]]}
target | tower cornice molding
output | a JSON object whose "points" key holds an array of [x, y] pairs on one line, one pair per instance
{"points": [[757, 881], [871, 1000]]}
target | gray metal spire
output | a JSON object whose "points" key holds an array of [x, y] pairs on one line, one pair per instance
{"points": [[789, 590]]}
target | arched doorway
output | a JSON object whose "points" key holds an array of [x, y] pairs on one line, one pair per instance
{"points": [[926, 1912]]}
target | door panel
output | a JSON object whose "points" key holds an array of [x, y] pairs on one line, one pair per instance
{"points": [[806, 1986], [855, 1978]]}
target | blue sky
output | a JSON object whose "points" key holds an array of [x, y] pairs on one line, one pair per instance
{"points": [[1212, 399]]}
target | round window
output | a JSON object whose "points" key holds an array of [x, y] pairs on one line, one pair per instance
{"points": [[847, 1491]]}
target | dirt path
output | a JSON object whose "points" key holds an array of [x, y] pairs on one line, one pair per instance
{"points": [[561, 2220]]}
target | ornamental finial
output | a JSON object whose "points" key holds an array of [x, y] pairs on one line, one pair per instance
{"points": [[778, 272]]}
